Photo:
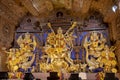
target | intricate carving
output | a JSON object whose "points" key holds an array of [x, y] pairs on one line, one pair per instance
{"points": [[117, 52], [98, 54], [118, 27], [6, 29], [58, 49], [18, 58]]}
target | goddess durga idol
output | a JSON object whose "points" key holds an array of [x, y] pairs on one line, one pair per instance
{"points": [[58, 49]]}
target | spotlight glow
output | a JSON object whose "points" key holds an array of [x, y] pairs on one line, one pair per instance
{"points": [[114, 8]]}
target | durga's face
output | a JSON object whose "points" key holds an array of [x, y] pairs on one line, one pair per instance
{"points": [[59, 31]]}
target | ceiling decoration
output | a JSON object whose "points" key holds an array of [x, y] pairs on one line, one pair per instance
{"points": [[42, 5], [75, 7]]}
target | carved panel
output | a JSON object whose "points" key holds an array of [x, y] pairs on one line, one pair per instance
{"points": [[6, 30], [3, 58], [0, 63], [77, 5], [6, 14], [64, 22], [6, 33], [13, 7], [118, 27], [117, 53], [30, 7]]}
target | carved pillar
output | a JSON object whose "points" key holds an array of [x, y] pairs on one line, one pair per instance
{"points": [[117, 53], [3, 58]]}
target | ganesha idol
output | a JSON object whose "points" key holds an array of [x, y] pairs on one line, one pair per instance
{"points": [[99, 56]]}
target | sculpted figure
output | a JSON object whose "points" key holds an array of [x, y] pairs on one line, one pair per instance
{"points": [[98, 54], [96, 43], [93, 45], [19, 57], [58, 48], [27, 41]]}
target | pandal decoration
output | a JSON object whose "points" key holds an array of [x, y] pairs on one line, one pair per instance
{"points": [[58, 49], [98, 54], [18, 58]]}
